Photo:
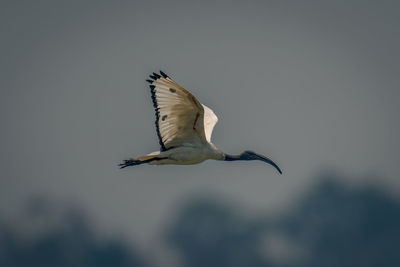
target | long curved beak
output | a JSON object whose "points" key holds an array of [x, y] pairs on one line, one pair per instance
{"points": [[269, 161]]}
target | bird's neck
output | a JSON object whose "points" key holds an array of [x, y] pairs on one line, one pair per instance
{"points": [[232, 157], [214, 153]]}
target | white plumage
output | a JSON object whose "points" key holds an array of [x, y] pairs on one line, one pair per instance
{"points": [[184, 128], [210, 119]]}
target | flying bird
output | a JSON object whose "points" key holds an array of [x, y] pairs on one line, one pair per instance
{"points": [[184, 127]]}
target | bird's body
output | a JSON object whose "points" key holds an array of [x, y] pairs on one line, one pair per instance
{"points": [[184, 127], [187, 155]]}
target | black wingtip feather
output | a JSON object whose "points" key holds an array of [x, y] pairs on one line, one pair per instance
{"points": [[153, 77], [158, 76], [155, 104], [149, 81], [163, 74]]}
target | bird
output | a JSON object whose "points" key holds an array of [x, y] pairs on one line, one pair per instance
{"points": [[184, 127]]}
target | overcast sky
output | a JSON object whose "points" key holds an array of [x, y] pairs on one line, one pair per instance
{"points": [[314, 85]]}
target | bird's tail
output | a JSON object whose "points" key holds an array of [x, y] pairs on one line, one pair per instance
{"points": [[139, 160]]}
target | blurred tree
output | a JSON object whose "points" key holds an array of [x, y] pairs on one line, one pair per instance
{"points": [[67, 243], [209, 233], [340, 226], [332, 225]]}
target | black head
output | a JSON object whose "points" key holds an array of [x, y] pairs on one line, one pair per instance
{"points": [[250, 155]]}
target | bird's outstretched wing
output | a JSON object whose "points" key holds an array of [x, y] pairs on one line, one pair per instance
{"points": [[179, 115]]}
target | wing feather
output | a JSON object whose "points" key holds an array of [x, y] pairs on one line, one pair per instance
{"points": [[179, 115], [210, 119]]}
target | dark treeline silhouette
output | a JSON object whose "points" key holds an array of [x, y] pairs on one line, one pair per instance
{"points": [[65, 243], [332, 225]]}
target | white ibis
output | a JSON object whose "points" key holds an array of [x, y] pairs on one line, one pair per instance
{"points": [[184, 127]]}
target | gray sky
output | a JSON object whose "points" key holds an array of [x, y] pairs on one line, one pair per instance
{"points": [[314, 85]]}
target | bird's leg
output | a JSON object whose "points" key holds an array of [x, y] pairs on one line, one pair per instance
{"points": [[140, 160], [131, 162]]}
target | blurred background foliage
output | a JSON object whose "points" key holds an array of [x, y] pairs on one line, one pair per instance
{"points": [[332, 224]]}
